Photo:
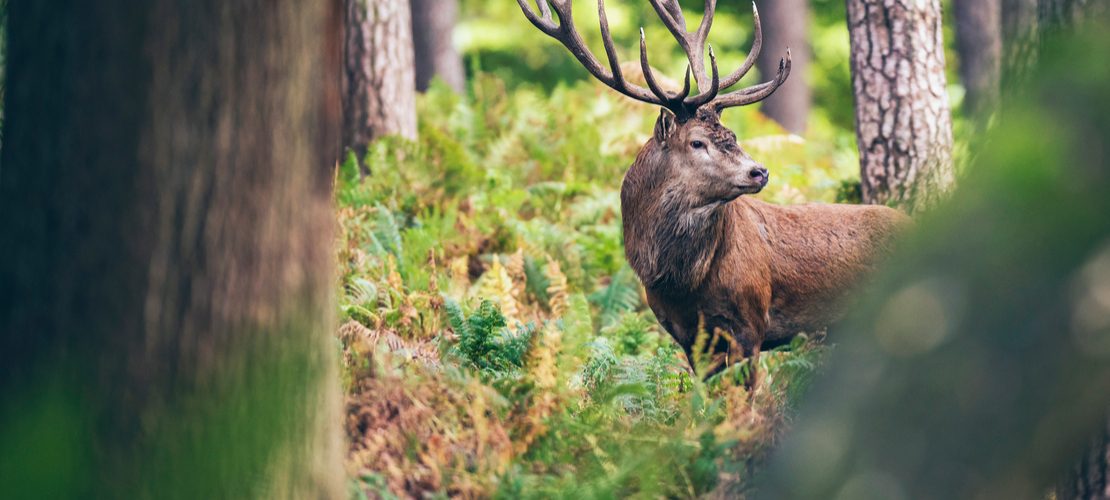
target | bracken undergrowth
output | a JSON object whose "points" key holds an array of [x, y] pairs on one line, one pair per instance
{"points": [[494, 341]]}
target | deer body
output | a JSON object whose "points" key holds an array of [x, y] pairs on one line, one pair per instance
{"points": [[705, 254], [758, 271]]}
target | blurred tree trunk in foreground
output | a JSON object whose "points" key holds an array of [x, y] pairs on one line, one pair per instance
{"points": [[433, 23], [166, 232], [903, 122], [1090, 476], [378, 94], [786, 25], [979, 43], [979, 365]]}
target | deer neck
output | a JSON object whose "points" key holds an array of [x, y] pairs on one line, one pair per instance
{"points": [[671, 245]]}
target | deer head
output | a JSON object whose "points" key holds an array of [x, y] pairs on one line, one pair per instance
{"points": [[690, 147], [692, 164]]}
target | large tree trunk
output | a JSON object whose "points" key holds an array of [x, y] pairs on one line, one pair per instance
{"points": [[979, 43], [166, 232], [378, 94], [787, 26], [433, 22], [903, 123]]}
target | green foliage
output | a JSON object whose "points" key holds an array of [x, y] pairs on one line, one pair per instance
{"points": [[597, 400], [621, 295], [485, 342], [979, 340], [506, 213]]}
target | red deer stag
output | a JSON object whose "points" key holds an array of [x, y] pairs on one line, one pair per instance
{"points": [[708, 256]]}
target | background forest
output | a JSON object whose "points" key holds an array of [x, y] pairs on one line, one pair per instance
{"points": [[443, 308], [496, 342]]}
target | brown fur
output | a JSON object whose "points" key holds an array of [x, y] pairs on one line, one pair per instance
{"points": [[757, 271]]}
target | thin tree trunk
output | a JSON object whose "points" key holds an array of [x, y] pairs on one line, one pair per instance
{"points": [[166, 230], [979, 44], [1019, 39], [1060, 14], [433, 22], [378, 94], [787, 26], [903, 123]]}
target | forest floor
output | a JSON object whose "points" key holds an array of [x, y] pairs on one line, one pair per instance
{"points": [[495, 342]]}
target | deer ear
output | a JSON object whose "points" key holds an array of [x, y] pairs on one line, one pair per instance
{"points": [[664, 126]]}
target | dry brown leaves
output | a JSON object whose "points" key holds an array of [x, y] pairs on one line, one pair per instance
{"points": [[420, 429]]}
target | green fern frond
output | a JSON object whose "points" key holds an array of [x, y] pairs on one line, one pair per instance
{"points": [[620, 296], [387, 232]]}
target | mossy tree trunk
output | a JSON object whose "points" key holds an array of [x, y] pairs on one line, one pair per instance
{"points": [[433, 23], [379, 96], [903, 122], [166, 233]]}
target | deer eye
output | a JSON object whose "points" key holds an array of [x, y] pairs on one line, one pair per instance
{"points": [[697, 145]]}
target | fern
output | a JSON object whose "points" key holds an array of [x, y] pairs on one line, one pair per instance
{"points": [[496, 285], [535, 280], [620, 296], [632, 333], [485, 343], [386, 235]]}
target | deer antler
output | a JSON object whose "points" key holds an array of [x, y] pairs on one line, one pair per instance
{"points": [[692, 43], [565, 33]]}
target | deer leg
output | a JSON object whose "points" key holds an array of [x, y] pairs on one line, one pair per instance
{"points": [[753, 358], [751, 342]]}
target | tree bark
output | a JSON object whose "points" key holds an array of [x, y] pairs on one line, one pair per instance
{"points": [[166, 232], [979, 44], [787, 26], [1019, 39], [433, 22], [378, 94], [1059, 14], [1090, 478], [903, 123]]}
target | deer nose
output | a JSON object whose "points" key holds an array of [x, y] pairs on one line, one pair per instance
{"points": [[758, 172]]}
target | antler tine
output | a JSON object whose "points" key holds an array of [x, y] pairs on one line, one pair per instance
{"points": [[692, 43], [544, 9], [757, 46], [715, 87], [565, 33], [649, 76], [610, 48], [755, 93], [707, 20], [686, 85], [545, 23]]}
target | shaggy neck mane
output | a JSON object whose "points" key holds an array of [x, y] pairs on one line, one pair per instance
{"points": [[669, 243]]}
